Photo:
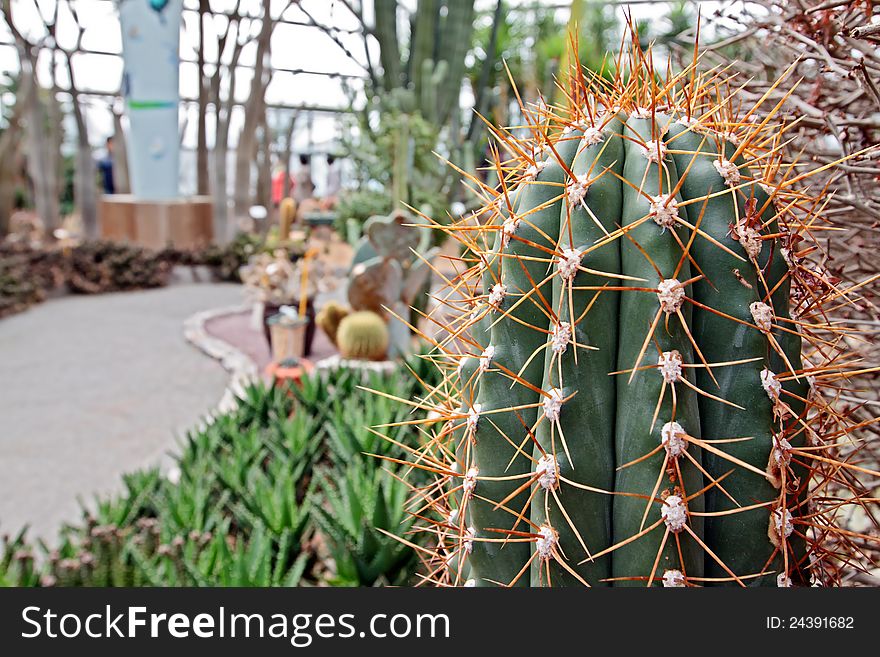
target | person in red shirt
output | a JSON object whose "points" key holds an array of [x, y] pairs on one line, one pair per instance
{"points": [[279, 188]]}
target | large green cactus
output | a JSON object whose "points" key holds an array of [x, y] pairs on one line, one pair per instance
{"points": [[626, 402]]}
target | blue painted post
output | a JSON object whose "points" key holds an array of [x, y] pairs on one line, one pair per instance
{"points": [[150, 49]]}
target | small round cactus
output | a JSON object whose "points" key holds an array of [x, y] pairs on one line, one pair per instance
{"points": [[329, 318], [363, 336]]}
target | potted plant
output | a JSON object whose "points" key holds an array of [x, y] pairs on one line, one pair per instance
{"points": [[273, 281]]}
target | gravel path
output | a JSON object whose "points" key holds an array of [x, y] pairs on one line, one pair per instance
{"points": [[94, 387]]}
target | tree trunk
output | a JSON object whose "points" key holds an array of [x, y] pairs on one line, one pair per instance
{"points": [[10, 161], [244, 155], [220, 188], [264, 165], [286, 156], [121, 179], [41, 166], [85, 189], [8, 164], [223, 231], [202, 179]]}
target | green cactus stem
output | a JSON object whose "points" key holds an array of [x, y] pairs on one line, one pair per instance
{"points": [[629, 358]]}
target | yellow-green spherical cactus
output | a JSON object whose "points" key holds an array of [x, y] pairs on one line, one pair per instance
{"points": [[363, 336]]}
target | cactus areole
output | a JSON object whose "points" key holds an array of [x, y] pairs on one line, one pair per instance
{"points": [[633, 358]]}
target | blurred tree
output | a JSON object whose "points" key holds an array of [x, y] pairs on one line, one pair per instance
{"points": [[11, 148], [41, 117]]}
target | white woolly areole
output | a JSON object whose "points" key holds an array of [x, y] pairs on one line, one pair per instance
{"points": [[783, 581], [508, 229], [763, 315], [535, 169], [664, 210], [545, 542], [471, 583], [453, 466], [486, 358], [577, 190], [782, 523], [560, 338], [593, 136], [674, 513], [452, 518], [473, 418], [547, 471], [770, 384], [496, 295], [730, 136], [691, 123], [670, 366], [553, 404], [468, 543], [470, 480], [671, 295], [672, 437], [727, 170], [781, 452], [650, 151], [568, 263], [673, 579], [750, 240], [641, 113]]}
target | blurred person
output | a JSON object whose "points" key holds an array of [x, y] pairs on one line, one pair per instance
{"points": [[334, 182], [334, 177], [305, 188], [280, 178], [105, 168]]}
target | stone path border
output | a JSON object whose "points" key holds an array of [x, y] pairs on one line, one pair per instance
{"points": [[242, 369]]}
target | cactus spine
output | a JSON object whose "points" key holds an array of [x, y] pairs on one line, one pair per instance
{"points": [[625, 400]]}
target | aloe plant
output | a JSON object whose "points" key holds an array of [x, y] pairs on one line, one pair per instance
{"points": [[242, 507], [362, 509]]}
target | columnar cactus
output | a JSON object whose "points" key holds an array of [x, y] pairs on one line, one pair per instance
{"points": [[625, 400]]}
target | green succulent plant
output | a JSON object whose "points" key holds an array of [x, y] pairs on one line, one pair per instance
{"points": [[239, 507], [362, 508]]}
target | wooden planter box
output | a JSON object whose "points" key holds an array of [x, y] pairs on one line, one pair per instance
{"points": [[181, 223]]}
